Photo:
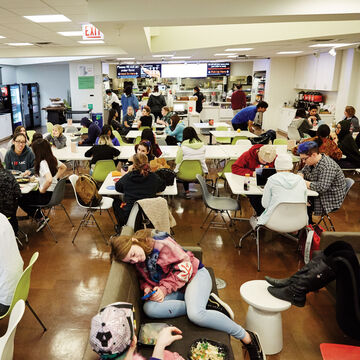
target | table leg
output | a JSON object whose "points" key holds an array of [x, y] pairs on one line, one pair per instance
{"points": [[210, 140]]}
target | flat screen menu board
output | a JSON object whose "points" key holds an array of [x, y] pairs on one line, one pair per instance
{"points": [[151, 70], [128, 71], [218, 69]]}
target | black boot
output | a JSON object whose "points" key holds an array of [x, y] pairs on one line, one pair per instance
{"points": [[278, 283], [313, 279]]}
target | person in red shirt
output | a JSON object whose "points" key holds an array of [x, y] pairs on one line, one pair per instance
{"points": [[238, 100]]}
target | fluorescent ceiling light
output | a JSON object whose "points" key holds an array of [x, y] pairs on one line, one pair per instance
{"points": [[289, 52], [70, 33], [232, 56], [164, 55], [329, 45], [224, 54], [239, 49], [120, 59], [181, 57], [48, 18], [90, 42], [2, 37], [19, 44]]}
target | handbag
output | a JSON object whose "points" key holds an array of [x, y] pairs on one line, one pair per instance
{"points": [[309, 241]]}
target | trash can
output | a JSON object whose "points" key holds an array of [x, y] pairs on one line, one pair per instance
{"points": [[97, 118]]}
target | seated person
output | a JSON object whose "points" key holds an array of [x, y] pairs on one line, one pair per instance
{"points": [[326, 143], [302, 123], [113, 120], [350, 116], [324, 176], [18, 129], [148, 134], [20, 157], [347, 145], [166, 115], [138, 183], [147, 118], [313, 115], [174, 131], [93, 132], [10, 194], [143, 147], [106, 130], [192, 148], [182, 284], [36, 136], [11, 264], [129, 118], [57, 139], [284, 186], [104, 150], [257, 156]]}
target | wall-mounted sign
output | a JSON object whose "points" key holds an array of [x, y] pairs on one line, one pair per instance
{"points": [[128, 71], [151, 70], [218, 69], [86, 82], [90, 32]]}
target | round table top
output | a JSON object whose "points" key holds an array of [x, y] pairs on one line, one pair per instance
{"points": [[255, 293]]}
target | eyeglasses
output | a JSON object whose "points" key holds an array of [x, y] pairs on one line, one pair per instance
{"points": [[20, 142], [304, 158]]}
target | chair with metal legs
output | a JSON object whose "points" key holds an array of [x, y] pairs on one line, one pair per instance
{"points": [[89, 218], [218, 206]]}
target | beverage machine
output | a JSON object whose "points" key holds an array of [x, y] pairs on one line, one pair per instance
{"points": [[10, 101], [30, 96]]}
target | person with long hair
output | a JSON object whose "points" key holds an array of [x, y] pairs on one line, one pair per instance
{"points": [[182, 285], [148, 134], [18, 129], [174, 131], [146, 118], [156, 102], [112, 120], [192, 148], [49, 170], [106, 130], [103, 150], [349, 114], [166, 116], [139, 183]]}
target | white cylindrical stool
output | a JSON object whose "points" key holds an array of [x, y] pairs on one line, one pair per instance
{"points": [[264, 314]]}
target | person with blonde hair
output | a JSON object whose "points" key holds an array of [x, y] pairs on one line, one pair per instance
{"points": [[139, 183], [104, 150], [57, 138], [180, 283]]}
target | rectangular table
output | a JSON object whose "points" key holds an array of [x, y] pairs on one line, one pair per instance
{"points": [[207, 126], [235, 151], [133, 134], [109, 181], [232, 134]]}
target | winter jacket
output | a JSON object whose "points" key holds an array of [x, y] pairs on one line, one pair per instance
{"points": [[102, 152], [347, 143], [191, 151], [22, 162], [114, 141], [177, 132], [156, 102], [135, 186], [127, 101], [248, 162], [10, 193], [168, 266], [93, 132], [59, 142], [282, 187]]}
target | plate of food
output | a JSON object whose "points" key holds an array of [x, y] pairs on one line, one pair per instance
{"points": [[15, 172], [205, 349], [23, 180]]}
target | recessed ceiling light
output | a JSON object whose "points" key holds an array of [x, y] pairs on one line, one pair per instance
{"points": [[232, 56], [91, 42], [289, 52], [2, 37], [19, 44], [164, 55], [224, 54], [239, 49], [329, 45], [48, 18], [181, 57], [130, 58], [70, 33]]}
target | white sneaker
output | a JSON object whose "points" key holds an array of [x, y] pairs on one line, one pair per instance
{"points": [[253, 221]]}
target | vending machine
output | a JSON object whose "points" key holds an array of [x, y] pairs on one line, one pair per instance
{"points": [[30, 96], [11, 101]]}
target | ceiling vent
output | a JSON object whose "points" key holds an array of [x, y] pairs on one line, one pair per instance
{"points": [[251, 57], [322, 40], [44, 43]]}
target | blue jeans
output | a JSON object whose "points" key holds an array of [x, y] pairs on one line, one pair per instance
{"points": [[193, 304]]}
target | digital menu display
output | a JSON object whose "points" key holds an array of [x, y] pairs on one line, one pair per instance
{"points": [[218, 69], [151, 70], [128, 71]]}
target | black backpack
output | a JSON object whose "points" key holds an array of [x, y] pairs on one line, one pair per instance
{"points": [[167, 175]]}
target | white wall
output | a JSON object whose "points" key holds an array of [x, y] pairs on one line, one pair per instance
{"points": [[241, 68], [80, 98], [8, 74], [53, 82]]}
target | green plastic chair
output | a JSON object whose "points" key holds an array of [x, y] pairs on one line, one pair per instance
{"points": [[280, 142], [189, 169], [102, 169], [49, 127], [236, 138], [121, 141], [137, 140], [22, 290], [223, 140], [141, 128], [30, 134], [84, 130]]}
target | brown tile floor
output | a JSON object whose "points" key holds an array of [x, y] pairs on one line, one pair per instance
{"points": [[68, 280]]}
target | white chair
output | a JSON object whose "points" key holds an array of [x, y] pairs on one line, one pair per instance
{"points": [[293, 133], [244, 142], [3, 152], [286, 218], [7, 340], [89, 218]]}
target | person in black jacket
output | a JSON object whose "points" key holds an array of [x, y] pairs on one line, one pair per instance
{"points": [[199, 99], [347, 145], [137, 184], [93, 132], [103, 151], [156, 102], [10, 194]]}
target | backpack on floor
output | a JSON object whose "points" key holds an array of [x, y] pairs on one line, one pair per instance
{"points": [[87, 191], [309, 241]]}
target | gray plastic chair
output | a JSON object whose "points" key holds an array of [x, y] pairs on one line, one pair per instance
{"points": [[349, 183], [218, 205], [56, 200]]}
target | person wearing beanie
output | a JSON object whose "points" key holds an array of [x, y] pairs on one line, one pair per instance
{"points": [[284, 186], [324, 176], [93, 132]]}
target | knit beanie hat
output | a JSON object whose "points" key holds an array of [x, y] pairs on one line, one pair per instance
{"points": [[304, 147], [283, 162], [267, 153]]}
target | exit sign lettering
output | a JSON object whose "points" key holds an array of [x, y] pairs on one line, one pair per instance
{"points": [[90, 32]]}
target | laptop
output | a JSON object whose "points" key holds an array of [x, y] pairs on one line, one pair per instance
{"points": [[262, 175]]}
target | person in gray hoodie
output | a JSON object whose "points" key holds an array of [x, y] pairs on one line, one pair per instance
{"points": [[20, 157], [284, 186], [57, 138]]}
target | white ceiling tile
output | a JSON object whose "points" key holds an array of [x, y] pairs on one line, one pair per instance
{"points": [[55, 3], [27, 11]]}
